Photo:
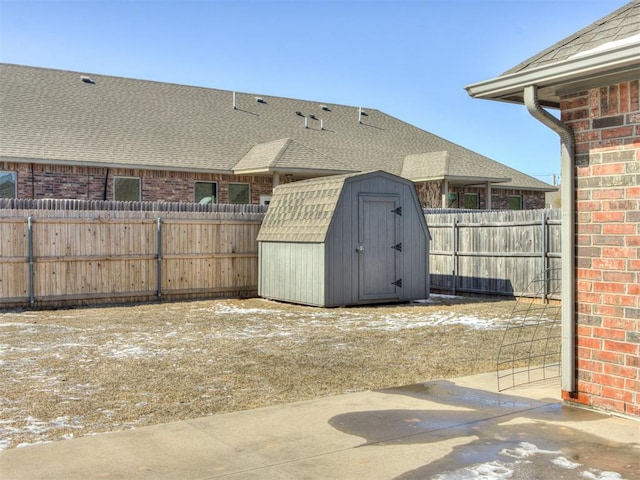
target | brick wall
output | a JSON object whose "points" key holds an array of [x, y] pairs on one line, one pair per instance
{"points": [[606, 123], [96, 183], [430, 195]]}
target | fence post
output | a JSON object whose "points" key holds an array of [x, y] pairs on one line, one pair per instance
{"points": [[32, 298], [545, 248], [159, 228], [454, 253]]}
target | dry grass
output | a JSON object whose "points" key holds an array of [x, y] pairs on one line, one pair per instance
{"points": [[75, 372]]}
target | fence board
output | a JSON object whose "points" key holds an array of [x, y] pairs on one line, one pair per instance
{"points": [[497, 252], [85, 255]]}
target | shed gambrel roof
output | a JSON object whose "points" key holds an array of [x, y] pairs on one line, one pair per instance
{"points": [[75, 118], [302, 211]]}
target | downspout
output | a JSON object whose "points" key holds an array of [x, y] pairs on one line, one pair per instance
{"points": [[568, 345]]}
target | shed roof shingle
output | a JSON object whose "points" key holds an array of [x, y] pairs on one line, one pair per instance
{"points": [[302, 211]]}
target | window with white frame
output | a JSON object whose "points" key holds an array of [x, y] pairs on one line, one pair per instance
{"points": [[126, 189], [515, 202], [8, 184], [239, 193], [206, 192]]}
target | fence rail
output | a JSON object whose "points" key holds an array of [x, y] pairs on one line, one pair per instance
{"points": [[66, 205], [495, 253], [68, 252], [72, 256]]}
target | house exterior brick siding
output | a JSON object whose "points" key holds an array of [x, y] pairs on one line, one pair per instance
{"points": [[96, 183], [606, 124]]}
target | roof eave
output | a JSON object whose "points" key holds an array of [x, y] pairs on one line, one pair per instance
{"points": [[574, 73], [112, 166], [311, 172], [459, 180]]}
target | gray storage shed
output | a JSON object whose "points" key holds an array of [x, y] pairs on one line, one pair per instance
{"points": [[344, 240]]}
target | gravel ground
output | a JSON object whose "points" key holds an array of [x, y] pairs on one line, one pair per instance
{"points": [[69, 373]]}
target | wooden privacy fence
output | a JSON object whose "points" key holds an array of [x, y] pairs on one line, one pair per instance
{"points": [[61, 257], [494, 253], [70, 252]]}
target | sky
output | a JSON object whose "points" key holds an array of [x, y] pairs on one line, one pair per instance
{"points": [[408, 58]]}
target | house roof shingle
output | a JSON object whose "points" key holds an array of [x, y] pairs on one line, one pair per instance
{"points": [[54, 116], [620, 24], [287, 155], [603, 53]]}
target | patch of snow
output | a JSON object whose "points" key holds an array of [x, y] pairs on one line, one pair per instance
{"points": [[566, 463], [31, 444], [129, 352], [525, 450], [525, 458], [225, 308], [593, 474], [488, 471], [16, 324], [466, 320]]}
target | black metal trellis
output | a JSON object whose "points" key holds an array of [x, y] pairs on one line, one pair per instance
{"points": [[530, 348]]}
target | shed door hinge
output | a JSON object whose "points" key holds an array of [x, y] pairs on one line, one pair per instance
{"points": [[397, 283], [397, 211], [397, 246]]}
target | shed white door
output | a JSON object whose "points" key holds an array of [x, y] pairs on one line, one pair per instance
{"points": [[378, 262]]}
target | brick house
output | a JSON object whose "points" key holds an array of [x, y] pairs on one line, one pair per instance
{"points": [[71, 135], [592, 77]]}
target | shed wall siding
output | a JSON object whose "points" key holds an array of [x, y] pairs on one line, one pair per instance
{"points": [[416, 282], [606, 123], [342, 258], [327, 270], [292, 272]]}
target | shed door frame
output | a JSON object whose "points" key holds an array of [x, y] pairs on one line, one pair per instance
{"points": [[379, 229]]}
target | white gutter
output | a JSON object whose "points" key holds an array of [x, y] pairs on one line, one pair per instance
{"points": [[568, 344], [622, 57]]}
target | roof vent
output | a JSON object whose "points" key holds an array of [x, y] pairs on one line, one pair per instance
{"points": [[260, 100], [86, 79], [299, 113], [325, 108], [313, 117], [361, 113]]}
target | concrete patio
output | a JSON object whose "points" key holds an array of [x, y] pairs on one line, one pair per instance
{"points": [[451, 429]]}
